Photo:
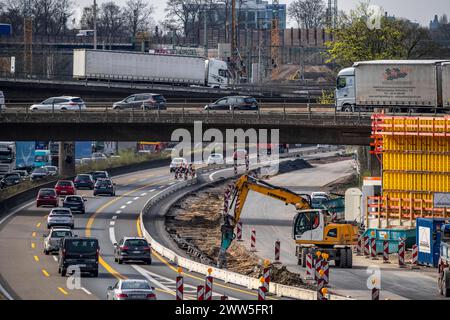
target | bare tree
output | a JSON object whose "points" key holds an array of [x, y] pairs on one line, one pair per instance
{"points": [[307, 13], [111, 20], [87, 18], [137, 15], [183, 15]]}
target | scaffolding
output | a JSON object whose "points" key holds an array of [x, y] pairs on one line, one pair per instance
{"points": [[415, 157]]}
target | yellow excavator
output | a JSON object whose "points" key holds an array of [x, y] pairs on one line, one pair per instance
{"points": [[313, 229]]}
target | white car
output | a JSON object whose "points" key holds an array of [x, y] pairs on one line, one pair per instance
{"points": [[98, 156], [60, 217], [177, 162], [64, 103], [52, 240], [215, 158], [52, 170]]}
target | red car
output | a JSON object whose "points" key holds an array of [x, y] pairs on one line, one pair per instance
{"points": [[47, 197], [65, 188]]}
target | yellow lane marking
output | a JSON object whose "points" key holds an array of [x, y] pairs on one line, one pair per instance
{"points": [[139, 231], [38, 225], [64, 292], [33, 234], [36, 258], [33, 245], [45, 273], [111, 270]]}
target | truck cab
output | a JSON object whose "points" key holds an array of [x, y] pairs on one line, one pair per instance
{"points": [[7, 157], [444, 261], [42, 158], [345, 90], [216, 73]]}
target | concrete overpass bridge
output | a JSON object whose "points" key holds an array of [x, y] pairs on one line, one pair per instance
{"points": [[320, 126]]}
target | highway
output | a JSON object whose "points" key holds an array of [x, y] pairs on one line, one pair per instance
{"points": [[27, 273]]}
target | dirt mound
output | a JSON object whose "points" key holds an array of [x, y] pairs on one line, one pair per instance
{"points": [[293, 165]]}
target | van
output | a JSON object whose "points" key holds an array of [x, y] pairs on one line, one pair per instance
{"points": [[79, 252]]}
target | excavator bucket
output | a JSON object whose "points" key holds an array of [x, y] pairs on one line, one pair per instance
{"points": [[227, 235]]}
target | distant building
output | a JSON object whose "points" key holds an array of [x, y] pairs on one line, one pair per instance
{"points": [[438, 22]]}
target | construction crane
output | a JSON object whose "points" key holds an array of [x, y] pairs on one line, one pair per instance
{"points": [[313, 228], [275, 40]]}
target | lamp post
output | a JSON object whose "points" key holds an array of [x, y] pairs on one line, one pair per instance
{"points": [[95, 24]]}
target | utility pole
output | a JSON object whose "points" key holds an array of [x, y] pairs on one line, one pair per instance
{"points": [[28, 39], [233, 31], [205, 38], [95, 24]]}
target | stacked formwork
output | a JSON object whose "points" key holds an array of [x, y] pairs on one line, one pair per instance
{"points": [[415, 156]]}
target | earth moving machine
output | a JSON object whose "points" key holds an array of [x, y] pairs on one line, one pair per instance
{"points": [[444, 261], [312, 230]]}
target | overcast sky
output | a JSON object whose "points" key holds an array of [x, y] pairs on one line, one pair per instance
{"points": [[421, 11]]}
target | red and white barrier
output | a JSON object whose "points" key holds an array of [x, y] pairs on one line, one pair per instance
{"points": [[277, 250], [366, 246], [401, 254], [318, 266], [266, 276], [208, 287], [179, 288], [326, 271], [253, 241], [386, 251], [375, 294], [200, 293], [359, 247], [239, 231], [373, 249], [310, 272], [333, 216], [320, 286], [415, 256]]}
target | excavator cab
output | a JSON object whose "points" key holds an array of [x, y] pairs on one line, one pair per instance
{"points": [[308, 225]]}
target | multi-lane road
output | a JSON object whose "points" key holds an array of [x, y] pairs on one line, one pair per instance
{"points": [[27, 273]]}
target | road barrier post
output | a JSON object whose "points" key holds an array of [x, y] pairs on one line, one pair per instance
{"points": [[208, 285], [318, 264], [223, 297], [366, 246], [320, 286], [239, 231], [415, 253], [247, 163], [375, 293], [359, 247], [200, 293], [373, 250], [277, 250], [325, 267], [386, 251], [310, 273], [401, 254], [179, 285], [261, 291], [266, 276], [253, 241]]}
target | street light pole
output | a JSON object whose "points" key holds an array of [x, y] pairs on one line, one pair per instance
{"points": [[95, 24], [205, 38]]}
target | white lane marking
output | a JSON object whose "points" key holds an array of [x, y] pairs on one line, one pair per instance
{"points": [[123, 207], [118, 212], [85, 290], [143, 194], [55, 258], [112, 236], [171, 183], [161, 187], [114, 217], [144, 273], [151, 190], [112, 223], [135, 198], [129, 202]]}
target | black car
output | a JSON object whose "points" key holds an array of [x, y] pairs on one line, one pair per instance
{"points": [[79, 252], [84, 181], [99, 175], [132, 249], [104, 186], [75, 203], [10, 179], [234, 103], [145, 101]]}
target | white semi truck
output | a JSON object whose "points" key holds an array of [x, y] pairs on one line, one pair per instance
{"points": [[146, 67], [400, 85]]}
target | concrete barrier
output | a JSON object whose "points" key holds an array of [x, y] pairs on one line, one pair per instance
{"points": [[224, 275]]}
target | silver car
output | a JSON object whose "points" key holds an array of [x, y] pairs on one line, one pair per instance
{"points": [[52, 240], [131, 289], [64, 103], [60, 217]]}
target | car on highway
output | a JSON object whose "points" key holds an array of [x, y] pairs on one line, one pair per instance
{"points": [[63, 103], [99, 175], [47, 197], [215, 158], [131, 289], [79, 252], [60, 217], [132, 249], [2, 101], [177, 162], [10, 179], [65, 187], [145, 101], [52, 170], [39, 173], [75, 203], [23, 174], [84, 181], [234, 103], [52, 240], [98, 156], [104, 186]]}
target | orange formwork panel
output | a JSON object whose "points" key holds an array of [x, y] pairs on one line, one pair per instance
{"points": [[415, 156]]}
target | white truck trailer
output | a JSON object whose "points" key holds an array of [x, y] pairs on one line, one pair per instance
{"points": [[399, 85], [146, 67]]}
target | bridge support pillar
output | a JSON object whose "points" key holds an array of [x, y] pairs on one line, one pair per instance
{"points": [[66, 159], [374, 166]]}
